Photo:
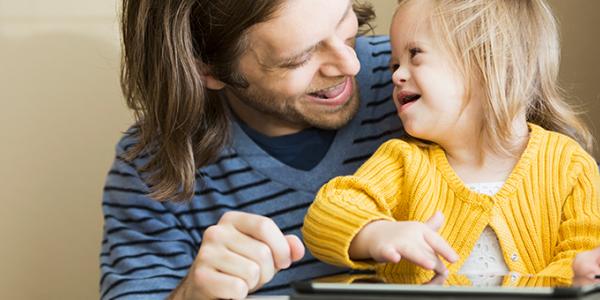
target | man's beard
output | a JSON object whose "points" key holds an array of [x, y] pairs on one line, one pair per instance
{"points": [[290, 111]]}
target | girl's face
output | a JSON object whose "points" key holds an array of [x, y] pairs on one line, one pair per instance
{"points": [[429, 92]]}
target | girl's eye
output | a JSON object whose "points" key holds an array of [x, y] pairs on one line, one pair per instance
{"points": [[414, 51], [394, 67]]}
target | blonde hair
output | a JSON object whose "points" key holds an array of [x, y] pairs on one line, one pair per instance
{"points": [[511, 49]]}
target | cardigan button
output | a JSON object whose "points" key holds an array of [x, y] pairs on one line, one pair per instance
{"points": [[514, 257]]}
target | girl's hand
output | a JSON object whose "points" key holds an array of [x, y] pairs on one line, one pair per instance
{"points": [[419, 243], [587, 264]]}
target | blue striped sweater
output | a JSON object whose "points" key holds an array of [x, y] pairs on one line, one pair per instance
{"points": [[148, 246]]}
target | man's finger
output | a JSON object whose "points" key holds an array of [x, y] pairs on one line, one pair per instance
{"points": [[264, 230], [296, 247], [216, 285], [256, 251], [233, 264]]}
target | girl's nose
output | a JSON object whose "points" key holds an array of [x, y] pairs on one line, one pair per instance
{"points": [[401, 75]]}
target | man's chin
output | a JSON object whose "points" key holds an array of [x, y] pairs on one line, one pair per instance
{"points": [[334, 118]]}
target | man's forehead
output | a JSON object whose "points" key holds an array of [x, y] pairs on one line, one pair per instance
{"points": [[297, 25], [280, 41]]}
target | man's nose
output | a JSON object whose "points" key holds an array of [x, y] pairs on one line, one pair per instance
{"points": [[341, 60]]}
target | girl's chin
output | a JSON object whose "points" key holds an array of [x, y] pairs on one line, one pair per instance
{"points": [[409, 126], [415, 131]]}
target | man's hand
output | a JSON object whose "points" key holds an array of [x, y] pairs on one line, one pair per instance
{"points": [[586, 264], [237, 256], [419, 243]]}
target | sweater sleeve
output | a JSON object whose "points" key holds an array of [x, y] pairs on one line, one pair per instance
{"points": [[580, 224], [145, 250], [346, 204]]}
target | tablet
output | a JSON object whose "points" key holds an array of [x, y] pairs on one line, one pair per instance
{"points": [[453, 285]]}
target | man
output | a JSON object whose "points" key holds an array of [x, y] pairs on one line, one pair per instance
{"points": [[244, 109]]}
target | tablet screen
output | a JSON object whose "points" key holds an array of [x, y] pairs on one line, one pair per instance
{"points": [[454, 284]]}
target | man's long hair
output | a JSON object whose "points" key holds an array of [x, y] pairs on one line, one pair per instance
{"points": [[167, 47]]}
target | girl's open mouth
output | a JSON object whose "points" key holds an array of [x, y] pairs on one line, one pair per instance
{"points": [[409, 98]]}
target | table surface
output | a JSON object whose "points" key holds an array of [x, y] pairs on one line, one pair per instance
{"points": [[366, 297], [316, 297], [428, 297]]}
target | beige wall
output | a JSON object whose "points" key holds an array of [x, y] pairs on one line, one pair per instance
{"points": [[62, 113], [60, 116], [580, 67]]}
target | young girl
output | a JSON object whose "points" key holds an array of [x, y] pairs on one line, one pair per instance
{"points": [[494, 150]]}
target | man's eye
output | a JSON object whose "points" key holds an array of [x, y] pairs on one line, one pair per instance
{"points": [[394, 67], [414, 51], [296, 65]]}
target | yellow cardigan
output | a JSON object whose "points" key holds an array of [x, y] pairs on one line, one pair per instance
{"points": [[546, 212]]}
